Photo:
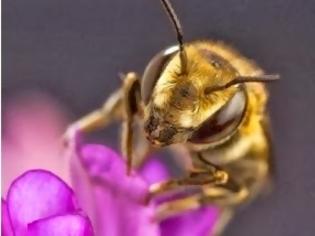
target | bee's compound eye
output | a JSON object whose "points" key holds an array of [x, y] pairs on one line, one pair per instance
{"points": [[154, 70], [224, 122]]}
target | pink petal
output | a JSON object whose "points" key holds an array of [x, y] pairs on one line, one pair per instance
{"points": [[154, 171], [64, 225], [6, 227], [193, 223], [38, 194], [113, 200], [33, 124]]}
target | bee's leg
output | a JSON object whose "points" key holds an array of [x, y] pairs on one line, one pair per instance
{"points": [[226, 202], [210, 176], [122, 105], [131, 105], [112, 109], [223, 220], [225, 199], [100, 118], [226, 194]]}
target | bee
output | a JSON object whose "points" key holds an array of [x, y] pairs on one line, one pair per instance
{"points": [[210, 100]]}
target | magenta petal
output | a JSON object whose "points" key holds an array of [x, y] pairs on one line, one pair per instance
{"points": [[154, 171], [113, 200], [105, 166], [6, 227], [38, 194], [64, 225], [193, 223]]}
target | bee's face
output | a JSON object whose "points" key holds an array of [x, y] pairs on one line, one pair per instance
{"points": [[177, 108]]}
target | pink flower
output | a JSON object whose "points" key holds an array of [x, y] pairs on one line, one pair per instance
{"points": [[39, 203], [114, 202]]}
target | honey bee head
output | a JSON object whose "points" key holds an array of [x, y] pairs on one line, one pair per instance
{"points": [[179, 105]]}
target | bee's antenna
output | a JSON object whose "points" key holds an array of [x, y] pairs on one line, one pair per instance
{"points": [[258, 78], [179, 33], [244, 79]]}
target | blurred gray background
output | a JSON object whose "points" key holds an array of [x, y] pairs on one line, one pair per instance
{"points": [[74, 49]]}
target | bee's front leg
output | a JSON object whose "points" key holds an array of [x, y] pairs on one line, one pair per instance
{"points": [[131, 106], [99, 118], [122, 106]]}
